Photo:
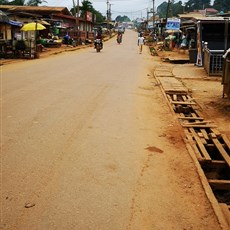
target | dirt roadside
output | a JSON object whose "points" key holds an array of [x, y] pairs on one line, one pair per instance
{"points": [[45, 53], [207, 91]]}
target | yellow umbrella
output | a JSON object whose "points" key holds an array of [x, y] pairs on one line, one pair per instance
{"points": [[32, 26]]}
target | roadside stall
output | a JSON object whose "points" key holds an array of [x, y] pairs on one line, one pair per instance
{"points": [[30, 32], [9, 30], [213, 38]]}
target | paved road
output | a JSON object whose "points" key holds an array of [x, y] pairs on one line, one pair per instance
{"points": [[89, 143]]}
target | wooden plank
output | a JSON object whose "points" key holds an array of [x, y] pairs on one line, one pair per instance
{"points": [[220, 184], [221, 150], [194, 115], [174, 97], [170, 100], [200, 145], [203, 131], [199, 157], [184, 98], [217, 132], [184, 103], [200, 135], [192, 118], [226, 212], [171, 91], [212, 135], [190, 98], [197, 123], [199, 126], [198, 113], [226, 141]]}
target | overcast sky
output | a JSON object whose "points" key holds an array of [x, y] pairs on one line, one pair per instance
{"points": [[131, 8]]}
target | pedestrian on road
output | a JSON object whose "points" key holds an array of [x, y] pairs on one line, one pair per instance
{"points": [[141, 42]]}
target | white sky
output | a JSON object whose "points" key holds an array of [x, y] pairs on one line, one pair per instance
{"points": [[131, 8]]}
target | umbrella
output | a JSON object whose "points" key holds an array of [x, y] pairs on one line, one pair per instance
{"points": [[173, 31], [32, 26]]}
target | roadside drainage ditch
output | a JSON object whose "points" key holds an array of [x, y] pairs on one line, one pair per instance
{"points": [[210, 147]]}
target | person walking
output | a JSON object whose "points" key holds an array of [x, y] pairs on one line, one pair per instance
{"points": [[141, 42]]}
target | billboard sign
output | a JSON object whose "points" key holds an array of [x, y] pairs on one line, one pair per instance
{"points": [[173, 24]]}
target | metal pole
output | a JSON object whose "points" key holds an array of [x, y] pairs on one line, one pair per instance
{"points": [[78, 23], [108, 18], [167, 12], [74, 8], [153, 13], [78, 8], [226, 35], [107, 14]]}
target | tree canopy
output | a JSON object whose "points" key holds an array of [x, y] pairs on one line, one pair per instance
{"points": [[122, 18], [174, 8], [192, 5], [222, 5], [87, 6], [22, 2]]}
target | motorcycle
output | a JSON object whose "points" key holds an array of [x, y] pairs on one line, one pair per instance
{"points": [[119, 39], [98, 45]]}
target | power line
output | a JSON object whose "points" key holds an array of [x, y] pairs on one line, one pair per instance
{"points": [[136, 11]]}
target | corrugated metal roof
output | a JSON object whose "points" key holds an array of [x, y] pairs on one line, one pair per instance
{"points": [[209, 18], [65, 16], [38, 9], [190, 15], [200, 17]]}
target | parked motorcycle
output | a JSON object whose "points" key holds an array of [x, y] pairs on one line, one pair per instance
{"points": [[98, 45]]}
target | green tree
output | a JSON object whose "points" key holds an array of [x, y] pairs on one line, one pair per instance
{"points": [[99, 17], [86, 6], [173, 9], [17, 3], [35, 2], [122, 18], [193, 5], [222, 5], [4, 2], [177, 8], [162, 9]]}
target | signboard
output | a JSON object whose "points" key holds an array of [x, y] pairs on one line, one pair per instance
{"points": [[89, 16], [173, 24]]}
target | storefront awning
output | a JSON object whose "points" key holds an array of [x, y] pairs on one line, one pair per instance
{"points": [[15, 23]]}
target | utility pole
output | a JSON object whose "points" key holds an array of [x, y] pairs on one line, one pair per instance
{"points": [[108, 13], [153, 13], [167, 13], [74, 8], [76, 15], [77, 8], [77, 22]]}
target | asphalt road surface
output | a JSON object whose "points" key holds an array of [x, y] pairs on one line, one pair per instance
{"points": [[89, 142]]}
